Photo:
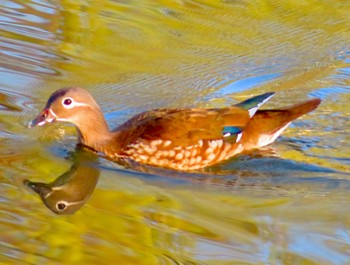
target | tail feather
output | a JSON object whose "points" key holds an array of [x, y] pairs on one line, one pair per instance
{"points": [[254, 103], [266, 125], [302, 108]]}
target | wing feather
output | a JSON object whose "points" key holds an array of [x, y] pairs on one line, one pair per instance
{"points": [[183, 127]]}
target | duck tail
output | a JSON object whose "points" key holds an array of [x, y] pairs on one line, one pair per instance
{"points": [[266, 125]]}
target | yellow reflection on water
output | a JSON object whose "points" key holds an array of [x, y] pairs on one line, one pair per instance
{"points": [[285, 204]]}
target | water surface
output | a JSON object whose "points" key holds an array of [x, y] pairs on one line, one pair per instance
{"points": [[284, 204]]}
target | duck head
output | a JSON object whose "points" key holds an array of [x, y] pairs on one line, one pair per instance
{"points": [[73, 105], [68, 105]]}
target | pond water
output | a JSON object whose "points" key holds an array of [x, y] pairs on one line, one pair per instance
{"points": [[285, 204]]}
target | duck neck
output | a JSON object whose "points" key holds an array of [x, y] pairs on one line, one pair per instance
{"points": [[94, 132]]}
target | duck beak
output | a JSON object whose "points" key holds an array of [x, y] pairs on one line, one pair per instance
{"points": [[40, 188], [44, 117]]}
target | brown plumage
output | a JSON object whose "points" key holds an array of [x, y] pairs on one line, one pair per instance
{"points": [[182, 139]]}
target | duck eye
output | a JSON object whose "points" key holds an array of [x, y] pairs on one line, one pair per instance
{"points": [[61, 205], [67, 101]]}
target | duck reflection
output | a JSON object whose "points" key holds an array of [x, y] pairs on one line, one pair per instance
{"points": [[70, 191]]}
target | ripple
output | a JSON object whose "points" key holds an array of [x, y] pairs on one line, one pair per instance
{"points": [[31, 59], [26, 33], [262, 207], [14, 101], [245, 84]]}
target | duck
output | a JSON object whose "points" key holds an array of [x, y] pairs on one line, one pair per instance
{"points": [[183, 139]]}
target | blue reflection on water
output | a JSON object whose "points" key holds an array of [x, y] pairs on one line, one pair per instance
{"points": [[248, 83]]}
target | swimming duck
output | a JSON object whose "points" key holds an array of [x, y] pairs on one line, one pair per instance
{"points": [[182, 138]]}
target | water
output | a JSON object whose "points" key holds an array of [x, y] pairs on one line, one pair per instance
{"points": [[284, 204]]}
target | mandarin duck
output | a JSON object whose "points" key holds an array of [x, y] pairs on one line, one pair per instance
{"points": [[181, 139]]}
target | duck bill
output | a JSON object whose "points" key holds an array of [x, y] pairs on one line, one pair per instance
{"points": [[40, 188], [44, 117]]}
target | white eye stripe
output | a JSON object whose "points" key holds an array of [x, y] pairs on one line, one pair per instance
{"points": [[71, 103], [67, 103], [64, 203], [79, 104]]}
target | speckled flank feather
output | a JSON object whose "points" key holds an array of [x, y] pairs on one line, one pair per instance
{"points": [[164, 153]]}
